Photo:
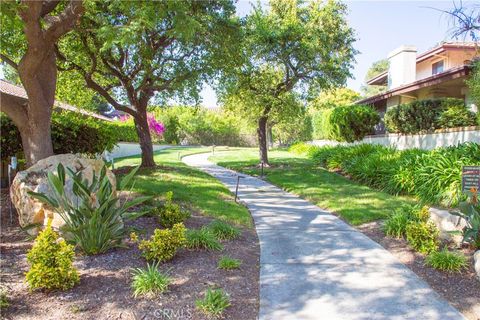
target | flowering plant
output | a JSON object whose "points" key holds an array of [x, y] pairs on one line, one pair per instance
{"points": [[155, 127]]}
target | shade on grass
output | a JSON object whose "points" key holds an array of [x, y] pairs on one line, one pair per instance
{"points": [[355, 203], [190, 186]]}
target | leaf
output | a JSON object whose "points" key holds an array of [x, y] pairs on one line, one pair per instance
{"points": [[125, 180]]}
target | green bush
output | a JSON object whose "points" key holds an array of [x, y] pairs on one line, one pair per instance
{"points": [[163, 244], [214, 303], [427, 115], [71, 133], [321, 125], [353, 123], [223, 231], [202, 239], [396, 224], [422, 236], [227, 263], [94, 227], [170, 213], [447, 260], [4, 301], [149, 281], [51, 262]]}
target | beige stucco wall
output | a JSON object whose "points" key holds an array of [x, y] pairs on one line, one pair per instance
{"points": [[453, 58]]}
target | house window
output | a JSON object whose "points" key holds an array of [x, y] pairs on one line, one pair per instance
{"points": [[437, 67]]}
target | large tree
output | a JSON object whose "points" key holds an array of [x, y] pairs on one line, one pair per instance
{"points": [[29, 33], [132, 51], [293, 50], [375, 69]]}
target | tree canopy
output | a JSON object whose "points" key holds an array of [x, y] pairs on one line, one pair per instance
{"points": [[334, 98], [376, 68]]}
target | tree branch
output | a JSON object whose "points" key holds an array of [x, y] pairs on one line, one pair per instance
{"points": [[14, 109], [9, 61], [65, 21], [48, 6]]}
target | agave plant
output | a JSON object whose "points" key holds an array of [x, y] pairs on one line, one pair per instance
{"points": [[470, 211], [94, 220]]}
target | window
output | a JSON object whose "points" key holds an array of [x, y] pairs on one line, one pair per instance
{"points": [[437, 67]]}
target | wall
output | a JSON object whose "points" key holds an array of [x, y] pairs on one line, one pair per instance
{"points": [[422, 141], [125, 149], [453, 58]]}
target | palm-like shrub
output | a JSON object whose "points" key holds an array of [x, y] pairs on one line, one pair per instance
{"points": [[470, 212], [94, 220]]}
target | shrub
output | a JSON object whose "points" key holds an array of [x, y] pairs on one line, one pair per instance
{"points": [[223, 231], [428, 115], [51, 262], [214, 303], [302, 148], [202, 239], [4, 301], [447, 260], [163, 244], [422, 236], [94, 227], [170, 213], [149, 281], [227, 263], [322, 127], [396, 224], [352, 123]]}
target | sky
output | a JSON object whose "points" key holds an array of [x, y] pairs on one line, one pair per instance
{"points": [[381, 27]]}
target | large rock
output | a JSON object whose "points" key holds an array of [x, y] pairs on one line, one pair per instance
{"points": [[450, 226], [32, 211]]}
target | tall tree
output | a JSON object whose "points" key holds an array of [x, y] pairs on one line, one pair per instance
{"points": [[334, 98], [132, 51], [29, 33], [375, 69], [293, 50]]}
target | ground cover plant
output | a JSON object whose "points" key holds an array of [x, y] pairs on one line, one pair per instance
{"points": [[149, 280], [446, 260], [227, 263], [202, 238], [223, 231], [434, 177], [214, 302]]}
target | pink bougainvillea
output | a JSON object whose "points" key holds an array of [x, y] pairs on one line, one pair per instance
{"points": [[155, 127]]}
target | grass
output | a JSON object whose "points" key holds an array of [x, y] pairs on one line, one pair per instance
{"points": [[202, 239], [193, 188], [227, 263], [214, 303], [149, 281], [355, 203]]}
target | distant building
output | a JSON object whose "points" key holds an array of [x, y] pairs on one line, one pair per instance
{"points": [[439, 72]]}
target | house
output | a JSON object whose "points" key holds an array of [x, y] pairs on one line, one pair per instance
{"points": [[439, 72], [9, 89]]}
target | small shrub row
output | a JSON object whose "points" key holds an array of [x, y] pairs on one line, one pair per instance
{"points": [[428, 115], [432, 176]]}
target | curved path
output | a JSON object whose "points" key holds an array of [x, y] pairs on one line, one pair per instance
{"points": [[315, 266]]}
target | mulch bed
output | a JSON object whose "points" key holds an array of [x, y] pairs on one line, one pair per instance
{"points": [[462, 290], [104, 291]]}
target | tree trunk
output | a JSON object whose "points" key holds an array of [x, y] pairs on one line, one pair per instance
{"points": [[145, 139], [262, 140], [36, 138]]}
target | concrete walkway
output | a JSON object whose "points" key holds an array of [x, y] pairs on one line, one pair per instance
{"points": [[315, 266]]}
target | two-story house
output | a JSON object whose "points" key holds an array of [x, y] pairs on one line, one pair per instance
{"points": [[439, 72]]}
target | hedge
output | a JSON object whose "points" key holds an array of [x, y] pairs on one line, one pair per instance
{"points": [[71, 133], [434, 177], [345, 123], [427, 115]]}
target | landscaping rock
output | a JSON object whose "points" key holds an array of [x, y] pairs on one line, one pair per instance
{"points": [[476, 263], [32, 211], [447, 223]]}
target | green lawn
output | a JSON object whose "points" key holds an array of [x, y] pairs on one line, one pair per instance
{"points": [[190, 186], [355, 203]]}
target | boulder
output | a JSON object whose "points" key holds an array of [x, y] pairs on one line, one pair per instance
{"points": [[450, 226], [32, 211], [476, 263]]}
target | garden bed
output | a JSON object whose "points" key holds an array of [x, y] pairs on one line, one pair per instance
{"points": [[104, 290], [462, 290]]}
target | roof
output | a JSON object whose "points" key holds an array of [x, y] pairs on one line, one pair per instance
{"points": [[382, 78], [17, 91], [450, 74]]}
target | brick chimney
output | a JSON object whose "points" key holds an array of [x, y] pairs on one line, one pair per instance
{"points": [[402, 66]]}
